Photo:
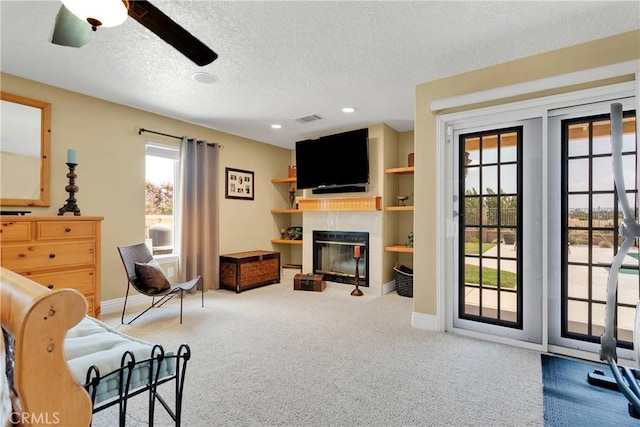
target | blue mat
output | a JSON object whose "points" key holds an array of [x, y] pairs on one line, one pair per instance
{"points": [[569, 400]]}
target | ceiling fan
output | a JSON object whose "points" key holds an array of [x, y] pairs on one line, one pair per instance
{"points": [[77, 18]]}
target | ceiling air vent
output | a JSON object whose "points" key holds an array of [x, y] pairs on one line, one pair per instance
{"points": [[310, 118]]}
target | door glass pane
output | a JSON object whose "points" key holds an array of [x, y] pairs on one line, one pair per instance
{"points": [[628, 134], [602, 174], [578, 281], [626, 316], [597, 322], [472, 180], [509, 148], [490, 210], [472, 301], [489, 149], [472, 212], [629, 166], [628, 280], [578, 174], [490, 180], [602, 137], [509, 303], [489, 303], [509, 210], [602, 214], [472, 151], [509, 179], [578, 139], [602, 252], [577, 315]]}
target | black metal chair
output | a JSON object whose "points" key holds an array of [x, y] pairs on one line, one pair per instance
{"points": [[139, 253]]}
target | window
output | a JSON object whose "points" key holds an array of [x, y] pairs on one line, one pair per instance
{"points": [[591, 217], [161, 177]]}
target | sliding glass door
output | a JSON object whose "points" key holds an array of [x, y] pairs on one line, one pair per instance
{"points": [[533, 222], [588, 240], [497, 290]]}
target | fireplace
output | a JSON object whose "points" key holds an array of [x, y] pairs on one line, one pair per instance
{"points": [[333, 256]]}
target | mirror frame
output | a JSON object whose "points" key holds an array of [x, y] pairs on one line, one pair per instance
{"points": [[45, 151]]}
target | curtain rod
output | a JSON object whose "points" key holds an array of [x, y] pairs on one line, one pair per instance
{"points": [[173, 136]]}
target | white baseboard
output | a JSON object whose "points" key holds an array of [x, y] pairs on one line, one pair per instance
{"points": [[388, 287], [115, 305], [427, 322]]}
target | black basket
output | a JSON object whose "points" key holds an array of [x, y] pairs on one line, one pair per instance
{"points": [[404, 281]]}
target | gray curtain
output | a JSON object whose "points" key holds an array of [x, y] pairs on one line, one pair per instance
{"points": [[198, 219]]}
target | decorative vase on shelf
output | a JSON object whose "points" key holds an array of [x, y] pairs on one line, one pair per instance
{"points": [[410, 240], [292, 198]]}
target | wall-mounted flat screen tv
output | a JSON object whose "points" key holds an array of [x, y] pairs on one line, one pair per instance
{"points": [[334, 161]]}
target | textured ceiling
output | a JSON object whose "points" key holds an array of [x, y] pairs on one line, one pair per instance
{"points": [[279, 61]]}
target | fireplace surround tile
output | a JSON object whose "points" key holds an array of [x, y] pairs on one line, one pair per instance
{"points": [[366, 221]]}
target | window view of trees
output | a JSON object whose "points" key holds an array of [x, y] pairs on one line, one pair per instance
{"points": [[508, 208], [161, 168], [159, 198]]}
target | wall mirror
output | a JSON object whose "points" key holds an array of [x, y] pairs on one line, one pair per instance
{"points": [[25, 150]]}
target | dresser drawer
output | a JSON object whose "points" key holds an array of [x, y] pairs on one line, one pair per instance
{"points": [[20, 258], [81, 280], [65, 229], [15, 231]]}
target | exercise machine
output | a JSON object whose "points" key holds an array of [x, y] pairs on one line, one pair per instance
{"points": [[624, 379]]}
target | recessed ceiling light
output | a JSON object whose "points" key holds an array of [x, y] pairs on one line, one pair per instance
{"points": [[205, 78], [348, 110], [276, 126]]}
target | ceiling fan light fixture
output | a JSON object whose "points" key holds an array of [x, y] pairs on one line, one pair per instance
{"points": [[106, 13], [348, 109]]}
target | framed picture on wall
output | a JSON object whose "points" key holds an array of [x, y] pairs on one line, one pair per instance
{"points": [[239, 184]]}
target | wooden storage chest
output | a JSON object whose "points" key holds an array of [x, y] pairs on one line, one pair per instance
{"points": [[245, 270], [57, 252], [309, 282]]}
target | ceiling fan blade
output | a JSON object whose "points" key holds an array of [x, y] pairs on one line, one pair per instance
{"points": [[69, 30], [169, 31]]}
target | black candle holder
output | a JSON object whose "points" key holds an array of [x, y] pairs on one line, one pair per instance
{"points": [[72, 189], [357, 292]]}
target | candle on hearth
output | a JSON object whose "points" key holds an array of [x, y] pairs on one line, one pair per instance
{"points": [[356, 251], [72, 156]]}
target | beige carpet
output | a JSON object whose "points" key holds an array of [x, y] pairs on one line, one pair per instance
{"points": [[274, 356]]}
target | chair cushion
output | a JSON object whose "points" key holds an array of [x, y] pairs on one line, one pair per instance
{"points": [[93, 343], [151, 277]]}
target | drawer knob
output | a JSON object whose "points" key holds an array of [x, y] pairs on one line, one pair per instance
{"points": [[68, 229], [52, 256], [50, 286]]}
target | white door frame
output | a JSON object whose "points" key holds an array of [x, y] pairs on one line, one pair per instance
{"points": [[523, 110]]}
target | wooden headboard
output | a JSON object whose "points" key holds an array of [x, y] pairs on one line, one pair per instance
{"points": [[38, 320]]}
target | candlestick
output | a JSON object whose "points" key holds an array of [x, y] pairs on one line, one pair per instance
{"points": [[72, 156], [72, 189], [357, 292]]}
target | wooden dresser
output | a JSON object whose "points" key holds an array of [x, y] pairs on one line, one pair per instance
{"points": [[55, 251]]}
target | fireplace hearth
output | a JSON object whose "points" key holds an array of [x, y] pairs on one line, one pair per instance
{"points": [[333, 256]]}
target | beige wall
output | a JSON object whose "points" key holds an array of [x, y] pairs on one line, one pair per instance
{"points": [[621, 48], [406, 186], [111, 172]]}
